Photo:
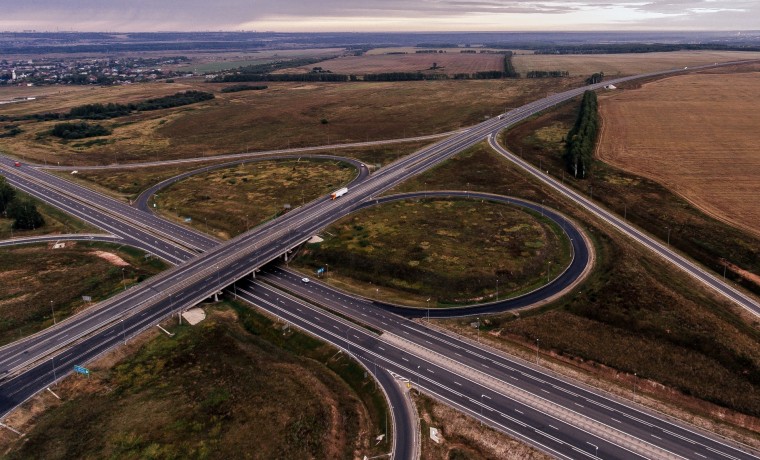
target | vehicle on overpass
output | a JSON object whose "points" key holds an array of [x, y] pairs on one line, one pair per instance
{"points": [[339, 193]]}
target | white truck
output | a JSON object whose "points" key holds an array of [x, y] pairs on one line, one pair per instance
{"points": [[339, 193]]}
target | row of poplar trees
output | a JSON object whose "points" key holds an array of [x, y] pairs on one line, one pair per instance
{"points": [[579, 148]]}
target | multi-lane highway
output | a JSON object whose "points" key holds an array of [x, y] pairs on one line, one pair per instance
{"points": [[217, 267]]}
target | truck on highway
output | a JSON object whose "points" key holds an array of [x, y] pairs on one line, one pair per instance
{"points": [[339, 193]]}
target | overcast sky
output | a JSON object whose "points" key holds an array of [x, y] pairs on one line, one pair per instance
{"points": [[377, 15]]}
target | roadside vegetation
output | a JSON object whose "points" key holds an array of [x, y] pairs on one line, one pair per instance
{"points": [[634, 314], [22, 215], [439, 252], [227, 202], [39, 281], [464, 438], [20, 208], [236, 385]]}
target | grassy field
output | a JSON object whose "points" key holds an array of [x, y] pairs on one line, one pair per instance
{"points": [[236, 386], [284, 115], [215, 62], [448, 251], [651, 205], [634, 314], [33, 276], [694, 134], [463, 437], [615, 65], [227, 202], [56, 221], [449, 63]]}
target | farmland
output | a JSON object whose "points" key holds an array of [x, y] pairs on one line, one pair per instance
{"points": [[695, 134], [614, 65], [284, 115], [449, 63]]}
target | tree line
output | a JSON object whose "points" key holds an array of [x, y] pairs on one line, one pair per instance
{"points": [[22, 210], [100, 111], [620, 48], [579, 148], [112, 110], [238, 88], [547, 74]]}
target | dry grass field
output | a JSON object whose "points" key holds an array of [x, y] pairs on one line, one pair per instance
{"points": [[464, 438], [238, 385], [286, 114], [423, 252], [34, 276], [697, 135], [229, 201], [449, 63], [614, 65]]}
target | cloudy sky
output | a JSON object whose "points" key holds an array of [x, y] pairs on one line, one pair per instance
{"points": [[378, 15]]}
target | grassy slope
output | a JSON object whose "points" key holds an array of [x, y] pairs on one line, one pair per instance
{"points": [[33, 276], [635, 313], [417, 250], [228, 388]]}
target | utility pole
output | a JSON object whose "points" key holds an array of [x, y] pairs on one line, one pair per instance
{"points": [[537, 351], [52, 311], [634, 387]]}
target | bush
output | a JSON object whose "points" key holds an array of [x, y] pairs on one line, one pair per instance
{"points": [[79, 130], [25, 214]]}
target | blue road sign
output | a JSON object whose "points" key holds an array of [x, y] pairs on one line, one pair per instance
{"points": [[82, 370], [321, 270]]}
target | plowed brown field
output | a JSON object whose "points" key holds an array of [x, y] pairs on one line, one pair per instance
{"points": [[624, 64], [697, 135]]}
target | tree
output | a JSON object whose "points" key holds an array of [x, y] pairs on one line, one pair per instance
{"points": [[25, 214], [7, 193]]}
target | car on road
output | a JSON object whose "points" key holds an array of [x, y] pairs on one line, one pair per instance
{"points": [[17, 164], [304, 280]]}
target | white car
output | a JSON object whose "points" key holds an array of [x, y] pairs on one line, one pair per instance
{"points": [[304, 280]]}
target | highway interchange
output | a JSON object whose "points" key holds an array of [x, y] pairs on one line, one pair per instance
{"points": [[614, 427]]}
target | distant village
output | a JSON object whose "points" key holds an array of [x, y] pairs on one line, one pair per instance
{"points": [[52, 71]]}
